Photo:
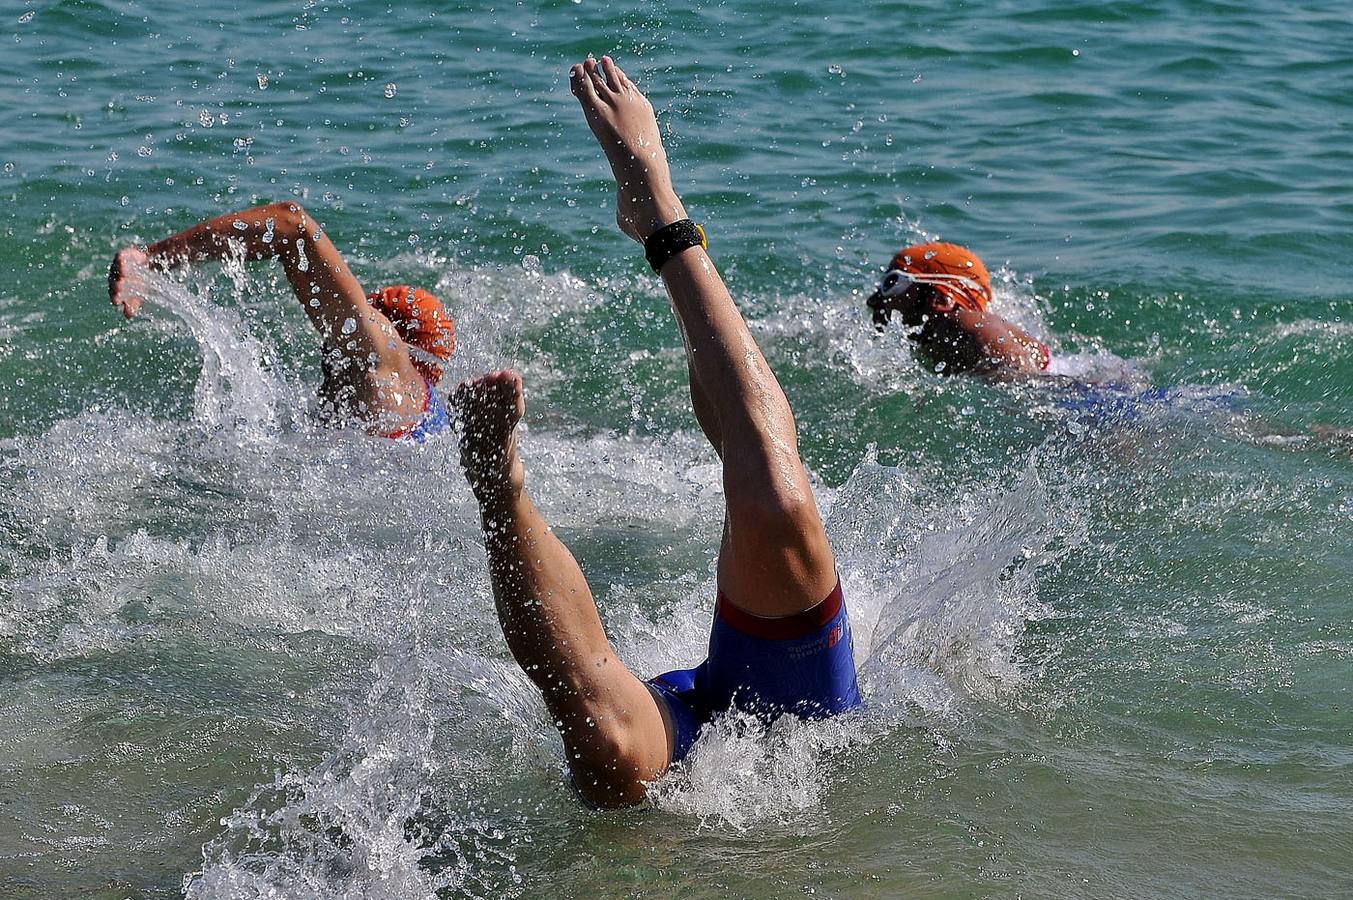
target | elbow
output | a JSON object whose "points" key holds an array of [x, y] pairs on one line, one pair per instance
{"points": [[289, 218]]}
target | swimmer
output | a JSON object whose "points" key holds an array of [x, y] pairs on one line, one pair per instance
{"points": [[943, 293], [383, 351], [781, 641]]}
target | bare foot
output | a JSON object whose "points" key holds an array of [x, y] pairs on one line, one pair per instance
{"points": [[490, 408], [624, 124], [126, 279]]}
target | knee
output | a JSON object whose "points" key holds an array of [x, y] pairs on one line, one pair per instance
{"points": [[779, 514], [610, 761]]}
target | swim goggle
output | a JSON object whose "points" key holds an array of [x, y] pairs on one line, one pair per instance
{"points": [[895, 281]]}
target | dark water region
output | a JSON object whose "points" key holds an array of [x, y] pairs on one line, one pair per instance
{"points": [[1102, 618]]}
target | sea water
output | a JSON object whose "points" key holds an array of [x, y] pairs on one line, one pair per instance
{"points": [[1101, 619]]}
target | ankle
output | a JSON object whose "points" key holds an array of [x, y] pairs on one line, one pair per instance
{"points": [[498, 493], [656, 210]]}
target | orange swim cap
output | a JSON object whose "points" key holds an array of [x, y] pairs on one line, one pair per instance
{"points": [[955, 271], [421, 321]]}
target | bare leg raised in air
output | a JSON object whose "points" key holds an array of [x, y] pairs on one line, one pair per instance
{"points": [[775, 565]]}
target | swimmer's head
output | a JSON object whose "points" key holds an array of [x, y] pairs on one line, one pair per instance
{"points": [[931, 278], [422, 322]]}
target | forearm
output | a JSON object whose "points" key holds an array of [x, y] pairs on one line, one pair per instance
{"points": [[324, 286], [254, 231]]}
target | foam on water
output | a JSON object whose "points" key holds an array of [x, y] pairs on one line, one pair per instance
{"points": [[442, 757], [238, 387], [1091, 609], [341, 829], [358, 824], [376, 546]]}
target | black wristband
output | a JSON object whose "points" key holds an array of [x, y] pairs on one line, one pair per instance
{"points": [[669, 240]]}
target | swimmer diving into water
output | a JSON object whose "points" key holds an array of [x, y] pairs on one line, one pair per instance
{"points": [[382, 351], [781, 641], [943, 292]]}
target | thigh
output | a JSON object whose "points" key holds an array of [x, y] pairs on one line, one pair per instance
{"points": [[774, 558]]}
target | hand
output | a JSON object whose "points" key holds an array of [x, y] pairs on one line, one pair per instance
{"points": [[126, 279]]}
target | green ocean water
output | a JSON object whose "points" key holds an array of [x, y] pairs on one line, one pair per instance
{"points": [[1102, 619]]}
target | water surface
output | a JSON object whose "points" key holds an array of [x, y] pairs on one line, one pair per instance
{"points": [[1103, 631]]}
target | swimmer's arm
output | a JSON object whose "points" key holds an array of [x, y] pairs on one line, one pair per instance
{"points": [[320, 278], [1000, 344]]}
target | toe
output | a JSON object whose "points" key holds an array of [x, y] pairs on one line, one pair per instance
{"points": [[594, 75], [581, 84], [624, 78], [614, 77]]}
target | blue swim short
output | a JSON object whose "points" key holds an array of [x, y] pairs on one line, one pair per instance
{"points": [[802, 664], [1097, 404], [436, 419]]}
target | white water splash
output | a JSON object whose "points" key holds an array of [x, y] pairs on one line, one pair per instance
{"points": [[372, 529], [938, 601], [236, 389], [340, 830]]}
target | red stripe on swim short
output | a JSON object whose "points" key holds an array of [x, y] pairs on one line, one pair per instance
{"points": [[781, 628]]}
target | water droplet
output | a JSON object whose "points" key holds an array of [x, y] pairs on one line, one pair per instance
{"points": [[143, 151], [1075, 53], [349, 325], [531, 263], [835, 69], [9, 167], [267, 231], [390, 90], [262, 82], [302, 262], [27, 17], [239, 225]]}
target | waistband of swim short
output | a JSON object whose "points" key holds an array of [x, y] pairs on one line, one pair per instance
{"points": [[781, 628]]}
